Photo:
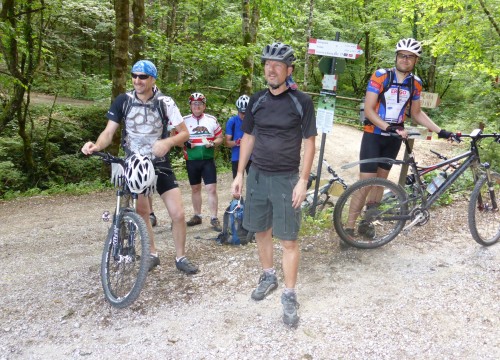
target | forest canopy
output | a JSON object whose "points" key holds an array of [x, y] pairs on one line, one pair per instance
{"points": [[84, 49]]}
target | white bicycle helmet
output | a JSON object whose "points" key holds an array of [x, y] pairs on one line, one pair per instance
{"points": [[278, 52], [197, 97], [242, 103], [410, 45], [140, 173]]}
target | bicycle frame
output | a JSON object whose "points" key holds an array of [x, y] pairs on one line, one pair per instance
{"points": [[471, 161]]}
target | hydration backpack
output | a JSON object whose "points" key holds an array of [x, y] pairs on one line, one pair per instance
{"points": [[387, 85], [233, 232]]}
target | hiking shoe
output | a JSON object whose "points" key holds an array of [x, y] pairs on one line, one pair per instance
{"points": [[195, 220], [366, 229], [154, 261], [216, 224], [185, 266], [290, 306], [152, 218], [267, 283]]}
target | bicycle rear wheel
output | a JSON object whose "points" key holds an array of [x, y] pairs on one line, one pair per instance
{"points": [[484, 218], [125, 261], [373, 225]]}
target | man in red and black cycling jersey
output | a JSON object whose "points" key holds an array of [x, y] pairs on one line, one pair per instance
{"points": [[386, 108], [205, 134]]}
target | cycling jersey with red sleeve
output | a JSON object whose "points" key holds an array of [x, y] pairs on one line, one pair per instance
{"points": [[392, 105]]}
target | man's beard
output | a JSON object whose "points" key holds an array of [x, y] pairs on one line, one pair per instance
{"points": [[274, 86]]}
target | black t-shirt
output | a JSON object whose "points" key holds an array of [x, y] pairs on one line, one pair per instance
{"points": [[279, 123]]}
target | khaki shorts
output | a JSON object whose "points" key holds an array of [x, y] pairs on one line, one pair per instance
{"points": [[269, 204]]}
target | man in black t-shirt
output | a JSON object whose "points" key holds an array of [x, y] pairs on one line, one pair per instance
{"points": [[277, 120]]}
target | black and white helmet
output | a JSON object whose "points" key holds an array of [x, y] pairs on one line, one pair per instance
{"points": [[242, 103], [140, 173], [278, 52], [410, 45]]}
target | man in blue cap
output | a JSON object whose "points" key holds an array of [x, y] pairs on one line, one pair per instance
{"points": [[145, 113]]}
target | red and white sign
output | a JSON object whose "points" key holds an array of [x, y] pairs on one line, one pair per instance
{"points": [[334, 49]]}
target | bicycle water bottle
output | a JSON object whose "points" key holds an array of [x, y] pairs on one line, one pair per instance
{"points": [[436, 182]]}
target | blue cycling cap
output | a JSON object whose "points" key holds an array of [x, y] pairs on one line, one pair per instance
{"points": [[146, 67]]}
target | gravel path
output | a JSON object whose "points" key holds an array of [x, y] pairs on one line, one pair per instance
{"points": [[431, 294]]}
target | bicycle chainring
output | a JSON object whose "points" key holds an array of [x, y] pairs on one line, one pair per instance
{"points": [[424, 214]]}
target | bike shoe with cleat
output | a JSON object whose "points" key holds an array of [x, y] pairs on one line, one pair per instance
{"points": [[185, 266], [366, 229], [267, 283], [154, 261], [195, 220]]}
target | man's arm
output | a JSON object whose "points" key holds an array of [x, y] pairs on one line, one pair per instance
{"points": [[300, 190], [371, 101], [246, 147], [104, 139], [421, 117], [163, 146]]}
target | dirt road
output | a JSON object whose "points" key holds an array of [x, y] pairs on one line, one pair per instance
{"points": [[431, 294]]}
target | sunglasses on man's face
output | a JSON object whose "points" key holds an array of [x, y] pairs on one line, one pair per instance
{"points": [[140, 76]]}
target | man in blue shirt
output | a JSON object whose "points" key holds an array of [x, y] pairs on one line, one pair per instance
{"points": [[234, 133]]}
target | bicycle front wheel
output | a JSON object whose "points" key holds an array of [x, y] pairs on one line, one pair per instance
{"points": [[370, 213], [125, 260], [484, 215]]}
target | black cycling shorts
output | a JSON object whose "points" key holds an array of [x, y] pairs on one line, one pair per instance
{"points": [[201, 169], [374, 146], [166, 178]]}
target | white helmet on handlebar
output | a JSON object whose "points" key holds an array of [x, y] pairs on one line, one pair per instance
{"points": [[140, 173]]}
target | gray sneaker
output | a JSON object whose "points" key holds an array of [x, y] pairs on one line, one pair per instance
{"points": [[185, 266], [267, 283], [290, 306]]}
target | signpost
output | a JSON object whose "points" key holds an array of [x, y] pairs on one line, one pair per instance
{"points": [[334, 49], [429, 100], [331, 64]]}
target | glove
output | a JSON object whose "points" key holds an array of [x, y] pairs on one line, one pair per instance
{"points": [[443, 134], [188, 145], [393, 129], [237, 142]]}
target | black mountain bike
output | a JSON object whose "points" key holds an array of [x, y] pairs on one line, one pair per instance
{"points": [[126, 255], [327, 192], [366, 224]]}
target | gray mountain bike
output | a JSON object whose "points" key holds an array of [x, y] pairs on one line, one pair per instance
{"points": [[369, 224], [125, 257]]}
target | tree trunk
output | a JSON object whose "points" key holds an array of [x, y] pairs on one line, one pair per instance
{"points": [[137, 41], [250, 25], [121, 69], [431, 75], [308, 57], [170, 34], [490, 17]]}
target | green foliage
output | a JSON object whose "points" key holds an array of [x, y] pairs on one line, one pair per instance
{"points": [[197, 46], [314, 225]]}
